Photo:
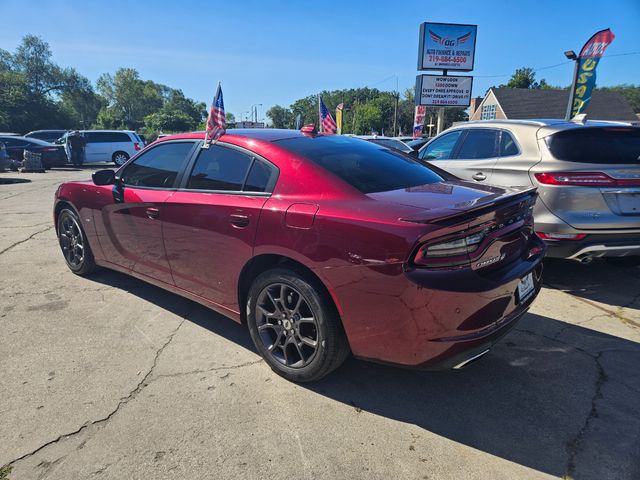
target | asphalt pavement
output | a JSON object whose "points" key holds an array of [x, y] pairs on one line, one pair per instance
{"points": [[108, 377]]}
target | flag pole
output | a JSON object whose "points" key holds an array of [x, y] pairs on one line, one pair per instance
{"points": [[319, 116]]}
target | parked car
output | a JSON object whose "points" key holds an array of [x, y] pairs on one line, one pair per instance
{"points": [[321, 244], [418, 143], [51, 155], [50, 136], [587, 175], [385, 142], [115, 146]]}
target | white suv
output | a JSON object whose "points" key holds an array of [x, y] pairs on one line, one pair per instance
{"points": [[116, 146]]}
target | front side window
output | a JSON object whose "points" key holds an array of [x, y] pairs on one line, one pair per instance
{"points": [[158, 167], [366, 166], [441, 148], [219, 168], [479, 144]]}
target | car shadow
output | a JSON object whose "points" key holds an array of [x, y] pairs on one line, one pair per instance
{"points": [[598, 281], [528, 401], [9, 180]]}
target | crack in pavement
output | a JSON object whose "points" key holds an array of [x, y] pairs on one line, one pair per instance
{"points": [[615, 313], [146, 380], [574, 446], [26, 239], [207, 370], [123, 401]]}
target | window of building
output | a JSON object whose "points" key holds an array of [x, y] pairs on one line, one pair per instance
{"points": [[488, 112]]}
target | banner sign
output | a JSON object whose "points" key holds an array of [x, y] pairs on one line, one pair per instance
{"points": [[418, 120], [446, 46], [585, 80], [443, 91]]}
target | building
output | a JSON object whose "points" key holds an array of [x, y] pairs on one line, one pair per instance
{"points": [[524, 103]]}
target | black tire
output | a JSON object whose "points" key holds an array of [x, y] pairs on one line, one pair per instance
{"points": [[74, 243], [323, 327], [630, 261], [120, 158]]}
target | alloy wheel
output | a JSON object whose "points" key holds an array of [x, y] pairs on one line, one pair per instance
{"points": [[120, 159], [286, 324], [71, 241]]}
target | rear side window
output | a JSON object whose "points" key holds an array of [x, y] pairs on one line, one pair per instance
{"points": [[508, 145], [158, 167], [219, 168], [479, 144], [441, 148], [364, 165], [604, 145], [107, 137]]}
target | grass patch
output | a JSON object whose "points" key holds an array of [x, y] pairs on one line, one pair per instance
{"points": [[5, 471]]}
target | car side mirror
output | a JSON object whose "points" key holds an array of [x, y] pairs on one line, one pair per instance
{"points": [[104, 177]]}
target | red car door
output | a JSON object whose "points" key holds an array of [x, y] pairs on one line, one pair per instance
{"points": [[210, 222], [130, 224]]}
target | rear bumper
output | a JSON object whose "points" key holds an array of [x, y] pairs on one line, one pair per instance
{"points": [[595, 245], [430, 318]]}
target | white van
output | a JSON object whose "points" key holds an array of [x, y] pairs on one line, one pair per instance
{"points": [[115, 146]]}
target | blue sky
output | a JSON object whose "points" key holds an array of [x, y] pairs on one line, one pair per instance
{"points": [[272, 52]]}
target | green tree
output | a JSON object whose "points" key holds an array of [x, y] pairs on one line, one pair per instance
{"points": [[230, 118], [630, 92], [39, 93], [525, 77], [280, 117]]}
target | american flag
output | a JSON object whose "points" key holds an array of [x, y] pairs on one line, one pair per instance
{"points": [[326, 120], [216, 121]]}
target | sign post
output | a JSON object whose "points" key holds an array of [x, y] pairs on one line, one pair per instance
{"points": [[445, 46]]}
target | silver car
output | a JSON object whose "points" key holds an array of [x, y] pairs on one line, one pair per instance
{"points": [[587, 175]]}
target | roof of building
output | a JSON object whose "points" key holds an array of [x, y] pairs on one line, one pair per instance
{"points": [[524, 103]]}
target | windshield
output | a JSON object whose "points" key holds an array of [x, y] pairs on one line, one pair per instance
{"points": [[364, 165], [606, 145]]}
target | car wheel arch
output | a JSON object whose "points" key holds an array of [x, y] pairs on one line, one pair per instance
{"points": [[261, 263], [61, 205]]}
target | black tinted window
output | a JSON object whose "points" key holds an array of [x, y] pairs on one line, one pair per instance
{"points": [[479, 144], [219, 168], [507, 145], [106, 137], [364, 165], [259, 176], [441, 148], [157, 167], [608, 145]]}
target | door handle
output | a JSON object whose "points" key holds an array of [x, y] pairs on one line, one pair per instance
{"points": [[479, 176], [152, 213], [238, 221]]}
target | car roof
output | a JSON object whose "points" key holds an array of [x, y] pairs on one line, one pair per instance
{"points": [[48, 130], [264, 134], [538, 122], [105, 131], [26, 139]]}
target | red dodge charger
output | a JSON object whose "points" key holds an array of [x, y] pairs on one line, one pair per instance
{"points": [[323, 245]]}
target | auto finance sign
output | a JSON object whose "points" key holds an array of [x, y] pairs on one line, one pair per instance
{"points": [[445, 46], [443, 91]]}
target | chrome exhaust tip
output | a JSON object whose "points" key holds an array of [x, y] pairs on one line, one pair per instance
{"points": [[469, 360]]}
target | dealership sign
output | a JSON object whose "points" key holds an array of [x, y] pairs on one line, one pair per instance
{"points": [[443, 91], [445, 46]]}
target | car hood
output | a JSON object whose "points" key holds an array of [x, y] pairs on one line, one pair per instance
{"points": [[446, 199]]}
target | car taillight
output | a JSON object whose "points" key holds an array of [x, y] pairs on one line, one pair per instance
{"points": [[136, 146], [584, 179], [561, 236], [460, 247]]}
